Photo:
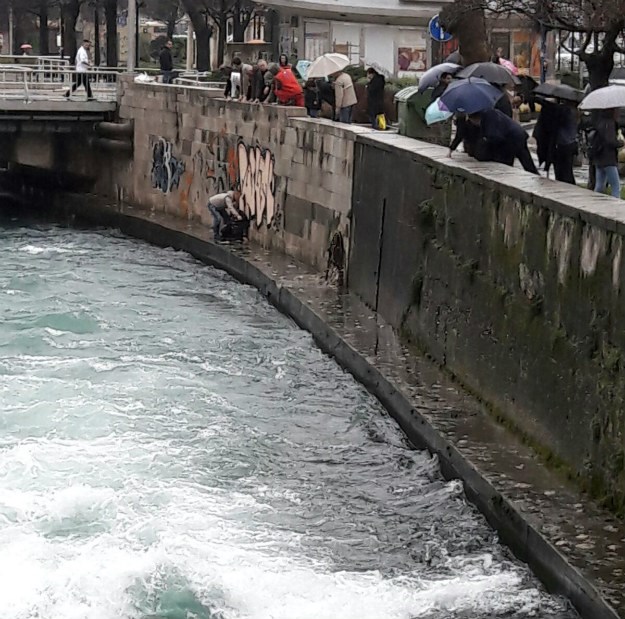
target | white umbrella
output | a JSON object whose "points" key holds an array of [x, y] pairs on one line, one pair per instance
{"points": [[327, 65], [431, 77], [605, 98]]}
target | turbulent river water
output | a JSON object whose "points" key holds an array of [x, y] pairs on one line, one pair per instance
{"points": [[172, 447]]}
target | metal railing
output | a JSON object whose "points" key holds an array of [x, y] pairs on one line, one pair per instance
{"points": [[26, 83], [34, 62], [198, 79]]}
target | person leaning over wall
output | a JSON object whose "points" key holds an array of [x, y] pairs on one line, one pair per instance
{"points": [[287, 89]]}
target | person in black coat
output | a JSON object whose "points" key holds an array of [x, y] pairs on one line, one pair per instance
{"points": [[258, 87], [470, 136], [312, 101], [441, 87], [375, 95], [604, 147], [505, 138], [166, 62], [504, 104]]}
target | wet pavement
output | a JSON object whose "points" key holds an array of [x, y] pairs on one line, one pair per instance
{"points": [[590, 538]]}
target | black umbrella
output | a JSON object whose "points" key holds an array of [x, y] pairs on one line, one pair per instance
{"points": [[489, 71], [559, 91]]}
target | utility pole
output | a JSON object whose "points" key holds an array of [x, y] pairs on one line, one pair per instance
{"points": [[190, 47], [11, 29], [132, 36]]}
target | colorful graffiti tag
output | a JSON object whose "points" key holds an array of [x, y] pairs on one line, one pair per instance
{"points": [[228, 163], [222, 162], [257, 183], [167, 170]]}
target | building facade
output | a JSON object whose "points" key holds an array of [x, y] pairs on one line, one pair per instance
{"points": [[392, 33]]}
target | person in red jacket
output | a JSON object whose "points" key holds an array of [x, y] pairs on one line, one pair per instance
{"points": [[287, 89]]}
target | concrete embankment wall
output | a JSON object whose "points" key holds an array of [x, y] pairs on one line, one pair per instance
{"points": [[295, 177], [513, 283]]}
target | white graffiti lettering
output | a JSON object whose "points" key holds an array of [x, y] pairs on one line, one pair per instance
{"points": [[257, 183]]}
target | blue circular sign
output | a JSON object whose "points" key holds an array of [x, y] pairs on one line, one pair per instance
{"points": [[437, 32]]}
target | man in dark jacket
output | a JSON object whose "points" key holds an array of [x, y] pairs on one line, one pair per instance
{"points": [[166, 62], [441, 87], [260, 90], [604, 147], [505, 138], [375, 95]]}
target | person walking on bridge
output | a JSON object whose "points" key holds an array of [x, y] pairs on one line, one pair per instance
{"points": [[81, 77]]}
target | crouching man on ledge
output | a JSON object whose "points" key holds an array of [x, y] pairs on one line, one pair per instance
{"points": [[224, 208]]}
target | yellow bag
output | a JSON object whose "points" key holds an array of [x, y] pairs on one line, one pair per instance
{"points": [[380, 122]]}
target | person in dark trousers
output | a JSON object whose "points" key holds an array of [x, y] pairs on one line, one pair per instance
{"points": [[222, 206], [259, 89], [311, 98], [81, 77], [283, 61], [441, 87], [604, 147], [469, 136], [504, 104], [166, 62], [375, 95], [566, 148], [505, 138]]}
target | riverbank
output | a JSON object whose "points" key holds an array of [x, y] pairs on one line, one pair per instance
{"points": [[574, 547]]}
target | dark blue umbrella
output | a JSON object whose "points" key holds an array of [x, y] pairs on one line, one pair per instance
{"points": [[470, 96]]}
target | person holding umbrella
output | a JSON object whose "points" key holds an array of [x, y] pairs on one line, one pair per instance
{"points": [[604, 147], [332, 65], [505, 138], [604, 142], [441, 87], [344, 97], [375, 96]]}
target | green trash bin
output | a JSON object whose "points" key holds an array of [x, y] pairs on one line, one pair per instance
{"points": [[411, 106]]}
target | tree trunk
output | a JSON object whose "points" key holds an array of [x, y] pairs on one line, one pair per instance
{"points": [[469, 27], [110, 14], [221, 43], [96, 35], [202, 34], [71, 13], [44, 33], [599, 68], [171, 21]]}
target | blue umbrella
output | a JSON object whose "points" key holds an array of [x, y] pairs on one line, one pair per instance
{"points": [[302, 67], [434, 113], [470, 96]]}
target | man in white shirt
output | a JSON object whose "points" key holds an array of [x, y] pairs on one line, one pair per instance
{"points": [[81, 77]]}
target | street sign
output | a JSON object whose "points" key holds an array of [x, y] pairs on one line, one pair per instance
{"points": [[437, 32]]}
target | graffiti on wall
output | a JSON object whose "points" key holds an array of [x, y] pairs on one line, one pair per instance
{"points": [[226, 162], [222, 162], [257, 183], [167, 170]]}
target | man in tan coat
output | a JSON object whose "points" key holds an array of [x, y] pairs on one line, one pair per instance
{"points": [[345, 97]]}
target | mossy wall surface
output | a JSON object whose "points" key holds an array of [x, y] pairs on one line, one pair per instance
{"points": [[515, 285]]}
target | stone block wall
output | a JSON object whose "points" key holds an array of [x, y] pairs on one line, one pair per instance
{"points": [[515, 283], [295, 174]]}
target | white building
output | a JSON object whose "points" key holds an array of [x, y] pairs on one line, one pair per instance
{"points": [[392, 33]]}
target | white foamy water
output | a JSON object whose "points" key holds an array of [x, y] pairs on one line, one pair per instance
{"points": [[172, 447]]}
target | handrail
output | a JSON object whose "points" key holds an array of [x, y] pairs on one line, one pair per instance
{"points": [[52, 83]]}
